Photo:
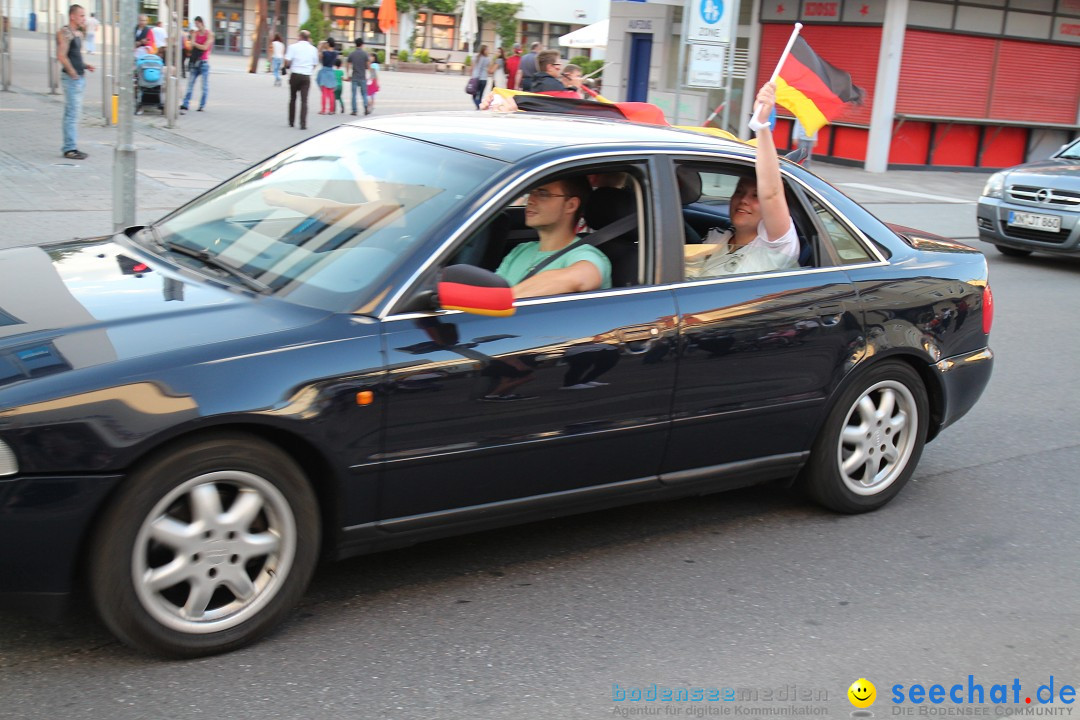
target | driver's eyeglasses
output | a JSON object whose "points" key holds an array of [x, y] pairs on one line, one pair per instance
{"points": [[542, 194]]}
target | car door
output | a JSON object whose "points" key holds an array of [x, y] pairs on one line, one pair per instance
{"points": [[758, 356], [568, 398]]}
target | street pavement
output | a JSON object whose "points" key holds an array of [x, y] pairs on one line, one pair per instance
{"points": [[46, 198]]}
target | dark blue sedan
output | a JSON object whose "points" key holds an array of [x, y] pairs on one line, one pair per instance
{"points": [[194, 412]]}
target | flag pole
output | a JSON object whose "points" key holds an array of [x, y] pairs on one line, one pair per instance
{"points": [[779, 64]]}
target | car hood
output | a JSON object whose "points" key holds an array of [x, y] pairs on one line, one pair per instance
{"points": [[72, 306], [1065, 171]]}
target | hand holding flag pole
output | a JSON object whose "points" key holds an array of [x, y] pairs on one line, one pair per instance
{"points": [[758, 125]]}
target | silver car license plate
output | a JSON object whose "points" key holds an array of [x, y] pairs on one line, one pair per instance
{"points": [[1049, 223]]}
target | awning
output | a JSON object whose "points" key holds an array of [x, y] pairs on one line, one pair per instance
{"points": [[590, 36]]}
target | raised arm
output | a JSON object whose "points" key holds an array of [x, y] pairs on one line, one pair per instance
{"points": [[770, 187]]}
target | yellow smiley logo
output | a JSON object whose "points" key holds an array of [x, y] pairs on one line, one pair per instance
{"points": [[862, 693]]}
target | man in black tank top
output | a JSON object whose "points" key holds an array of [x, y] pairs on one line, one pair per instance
{"points": [[69, 42]]}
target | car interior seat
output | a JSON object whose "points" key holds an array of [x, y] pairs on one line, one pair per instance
{"points": [[605, 206], [689, 181]]}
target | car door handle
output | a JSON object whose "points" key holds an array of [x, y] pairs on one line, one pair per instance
{"points": [[637, 338], [830, 313]]}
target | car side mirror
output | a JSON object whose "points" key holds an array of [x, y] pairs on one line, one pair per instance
{"points": [[474, 290]]}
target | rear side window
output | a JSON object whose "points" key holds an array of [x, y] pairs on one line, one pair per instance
{"points": [[846, 246]]}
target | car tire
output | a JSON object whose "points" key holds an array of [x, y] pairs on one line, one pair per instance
{"points": [[871, 440], [1011, 251], [206, 547]]}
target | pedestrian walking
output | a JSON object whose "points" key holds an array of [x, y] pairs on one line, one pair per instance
{"points": [[373, 85], [92, 26], [69, 40], [199, 63], [805, 142], [339, 76], [326, 79], [301, 59], [277, 57], [512, 63], [480, 68], [359, 62], [161, 38], [527, 68], [498, 69]]}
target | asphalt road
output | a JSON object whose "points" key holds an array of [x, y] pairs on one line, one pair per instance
{"points": [[972, 570]]}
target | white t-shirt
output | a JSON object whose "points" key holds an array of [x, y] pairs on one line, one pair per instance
{"points": [[92, 25], [160, 36], [279, 49], [760, 255], [302, 57]]}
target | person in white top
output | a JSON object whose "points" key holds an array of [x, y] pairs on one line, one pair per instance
{"points": [[301, 59], [763, 235], [92, 26], [277, 57], [161, 36]]}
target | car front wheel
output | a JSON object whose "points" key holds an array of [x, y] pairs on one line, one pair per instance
{"points": [[871, 441], [205, 548]]}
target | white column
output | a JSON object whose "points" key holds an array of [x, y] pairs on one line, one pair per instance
{"points": [[886, 87]]}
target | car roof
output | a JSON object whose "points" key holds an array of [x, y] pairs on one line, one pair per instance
{"points": [[512, 136]]}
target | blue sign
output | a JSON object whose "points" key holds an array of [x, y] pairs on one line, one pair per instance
{"points": [[712, 11]]}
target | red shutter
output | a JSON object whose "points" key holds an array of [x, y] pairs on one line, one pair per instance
{"points": [[945, 75], [1036, 82]]}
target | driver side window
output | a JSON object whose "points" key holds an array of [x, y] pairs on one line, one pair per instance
{"points": [[611, 220]]}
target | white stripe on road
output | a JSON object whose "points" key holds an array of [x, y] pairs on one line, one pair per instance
{"points": [[892, 191]]}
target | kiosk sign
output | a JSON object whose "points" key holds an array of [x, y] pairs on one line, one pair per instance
{"points": [[709, 21]]}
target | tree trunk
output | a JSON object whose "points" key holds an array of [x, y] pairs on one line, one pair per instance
{"points": [[260, 35]]}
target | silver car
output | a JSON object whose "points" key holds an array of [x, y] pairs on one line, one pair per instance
{"points": [[1035, 206]]}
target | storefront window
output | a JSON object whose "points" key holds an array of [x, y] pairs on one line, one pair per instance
{"points": [[228, 28], [442, 31], [278, 10], [531, 32], [342, 22], [556, 31], [372, 34], [423, 40]]}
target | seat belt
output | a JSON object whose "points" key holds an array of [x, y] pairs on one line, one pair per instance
{"points": [[601, 236]]}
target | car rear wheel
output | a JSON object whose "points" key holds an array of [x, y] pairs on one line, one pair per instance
{"points": [[205, 548], [871, 441], [1012, 252]]}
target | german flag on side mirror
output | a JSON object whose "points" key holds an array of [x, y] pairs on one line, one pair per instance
{"points": [[475, 290]]}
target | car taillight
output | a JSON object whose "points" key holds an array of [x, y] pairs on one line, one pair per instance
{"points": [[988, 310]]}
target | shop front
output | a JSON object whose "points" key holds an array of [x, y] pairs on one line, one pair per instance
{"points": [[228, 28]]}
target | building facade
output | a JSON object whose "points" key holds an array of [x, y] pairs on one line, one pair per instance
{"points": [[948, 83]]}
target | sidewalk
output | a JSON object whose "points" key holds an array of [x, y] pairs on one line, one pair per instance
{"points": [[46, 198]]}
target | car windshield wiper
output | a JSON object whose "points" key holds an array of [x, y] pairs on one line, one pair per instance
{"points": [[212, 261]]}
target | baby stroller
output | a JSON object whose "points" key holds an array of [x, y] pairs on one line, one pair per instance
{"points": [[149, 81]]}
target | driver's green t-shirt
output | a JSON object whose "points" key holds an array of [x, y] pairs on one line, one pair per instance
{"points": [[526, 256]]}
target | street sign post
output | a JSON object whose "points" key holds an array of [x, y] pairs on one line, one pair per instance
{"points": [[709, 21]]}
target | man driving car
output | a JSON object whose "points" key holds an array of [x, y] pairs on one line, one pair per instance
{"points": [[553, 210]]}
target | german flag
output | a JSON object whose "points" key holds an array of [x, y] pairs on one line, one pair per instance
{"points": [[812, 89]]}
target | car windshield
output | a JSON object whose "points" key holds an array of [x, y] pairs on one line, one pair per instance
{"points": [[1070, 152], [321, 222]]}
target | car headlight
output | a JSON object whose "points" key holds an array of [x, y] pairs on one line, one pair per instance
{"points": [[8, 464], [995, 185]]}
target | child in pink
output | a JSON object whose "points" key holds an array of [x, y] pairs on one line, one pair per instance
{"points": [[372, 84]]}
